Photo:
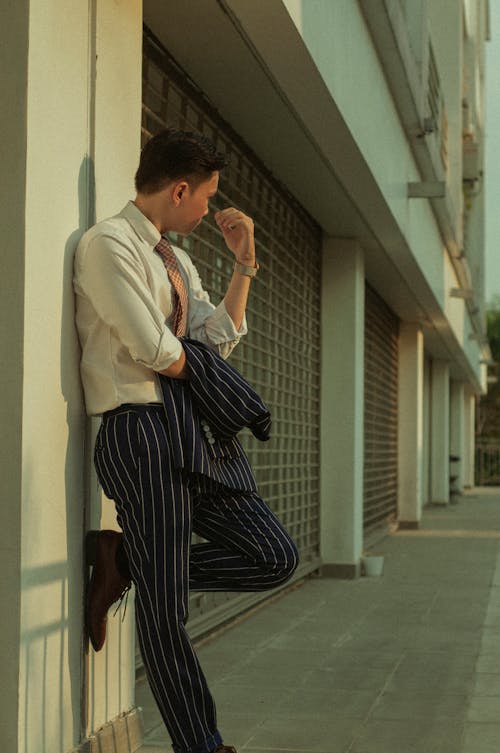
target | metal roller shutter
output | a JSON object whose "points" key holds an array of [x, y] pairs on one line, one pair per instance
{"points": [[280, 356], [381, 412]]}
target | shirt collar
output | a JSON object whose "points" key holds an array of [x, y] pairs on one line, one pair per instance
{"points": [[140, 223]]}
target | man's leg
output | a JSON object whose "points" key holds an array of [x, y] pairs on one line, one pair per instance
{"points": [[248, 548], [154, 511]]}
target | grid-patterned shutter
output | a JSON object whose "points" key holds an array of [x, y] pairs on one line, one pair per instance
{"points": [[280, 356], [381, 411]]}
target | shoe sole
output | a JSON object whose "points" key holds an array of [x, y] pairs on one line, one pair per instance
{"points": [[91, 540]]}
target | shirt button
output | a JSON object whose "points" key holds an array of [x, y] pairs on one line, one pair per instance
{"points": [[211, 440]]}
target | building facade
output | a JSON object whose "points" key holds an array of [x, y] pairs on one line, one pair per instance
{"points": [[355, 132]]}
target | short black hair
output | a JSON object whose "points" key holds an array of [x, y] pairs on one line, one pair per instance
{"points": [[174, 154]]}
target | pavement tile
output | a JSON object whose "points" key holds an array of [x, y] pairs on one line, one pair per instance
{"points": [[144, 699], [256, 700], [429, 639], [487, 684], [490, 642], [333, 704], [267, 749], [158, 736], [488, 663], [420, 704], [352, 678], [377, 644], [311, 735], [492, 619], [443, 682], [484, 709], [297, 641], [495, 597], [344, 658], [284, 674], [238, 729], [449, 661], [409, 737], [481, 738]]}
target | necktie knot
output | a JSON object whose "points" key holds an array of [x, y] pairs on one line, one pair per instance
{"points": [[165, 250]]}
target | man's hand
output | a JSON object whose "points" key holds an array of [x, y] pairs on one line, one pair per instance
{"points": [[237, 229]]}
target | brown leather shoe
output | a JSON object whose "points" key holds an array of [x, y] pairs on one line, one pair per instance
{"points": [[107, 583]]}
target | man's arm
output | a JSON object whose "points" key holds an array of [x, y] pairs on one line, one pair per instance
{"points": [[238, 231], [177, 370]]}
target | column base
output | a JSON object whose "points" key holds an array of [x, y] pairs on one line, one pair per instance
{"points": [[121, 735], [342, 571], [408, 525]]}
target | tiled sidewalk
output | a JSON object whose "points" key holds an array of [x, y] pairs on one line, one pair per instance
{"points": [[405, 663]]}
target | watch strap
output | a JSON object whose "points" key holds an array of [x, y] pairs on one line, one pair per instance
{"points": [[245, 270]]}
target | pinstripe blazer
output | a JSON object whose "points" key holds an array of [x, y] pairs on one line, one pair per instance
{"points": [[205, 413]]}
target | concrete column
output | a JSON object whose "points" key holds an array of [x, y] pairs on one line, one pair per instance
{"points": [[457, 427], [62, 128], [440, 433], [410, 424], [469, 438], [342, 407], [13, 47]]}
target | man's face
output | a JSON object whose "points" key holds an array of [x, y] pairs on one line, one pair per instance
{"points": [[194, 204]]}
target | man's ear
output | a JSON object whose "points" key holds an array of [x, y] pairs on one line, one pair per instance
{"points": [[180, 189]]}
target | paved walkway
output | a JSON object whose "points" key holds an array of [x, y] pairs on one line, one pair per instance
{"points": [[405, 663]]}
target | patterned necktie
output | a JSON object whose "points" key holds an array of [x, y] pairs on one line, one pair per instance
{"points": [[166, 252]]}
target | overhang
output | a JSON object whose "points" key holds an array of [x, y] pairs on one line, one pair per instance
{"points": [[253, 65]]}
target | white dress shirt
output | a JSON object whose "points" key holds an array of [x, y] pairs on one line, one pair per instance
{"points": [[124, 308]]}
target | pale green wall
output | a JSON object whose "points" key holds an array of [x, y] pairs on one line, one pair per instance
{"points": [[445, 28], [83, 122], [340, 44]]}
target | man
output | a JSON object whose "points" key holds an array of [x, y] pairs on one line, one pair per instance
{"points": [[136, 296]]}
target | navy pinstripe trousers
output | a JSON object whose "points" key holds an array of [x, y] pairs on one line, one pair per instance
{"points": [[158, 508]]}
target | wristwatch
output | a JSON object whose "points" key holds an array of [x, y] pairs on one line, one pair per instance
{"points": [[243, 269]]}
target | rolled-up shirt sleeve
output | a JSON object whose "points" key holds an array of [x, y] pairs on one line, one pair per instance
{"points": [[115, 283], [209, 324]]}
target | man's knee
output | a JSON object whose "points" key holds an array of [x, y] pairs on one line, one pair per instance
{"points": [[292, 559], [285, 560]]}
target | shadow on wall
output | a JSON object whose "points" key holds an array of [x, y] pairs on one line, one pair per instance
{"points": [[43, 657], [78, 460], [53, 708], [52, 648]]}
